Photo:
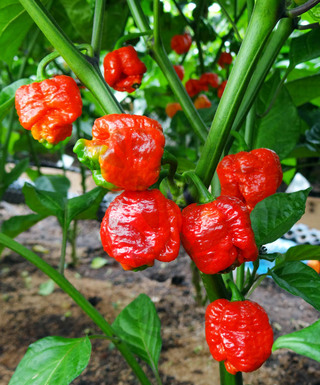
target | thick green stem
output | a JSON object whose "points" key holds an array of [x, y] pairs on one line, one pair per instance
{"points": [[64, 241], [264, 18], [227, 378], [240, 276], [97, 28], [161, 58], [131, 36], [214, 286], [88, 73], [79, 299], [250, 126]]}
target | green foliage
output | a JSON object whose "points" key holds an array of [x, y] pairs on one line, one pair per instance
{"points": [[302, 253], [53, 361]]}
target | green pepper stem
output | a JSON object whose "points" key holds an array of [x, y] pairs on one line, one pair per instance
{"points": [[79, 299], [234, 26], [88, 73], [131, 36], [159, 55], [228, 379], [97, 28], [236, 295], [203, 195], [264, 17]]}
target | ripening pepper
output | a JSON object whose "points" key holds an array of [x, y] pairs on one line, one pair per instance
{"points": [[238, 333], [202, 102], [123, 70], [315, 265], [125, 152], [209, 79], [225, 59], [221, 88], [48, 108], [218, 235], [180, 71], [172, 109], [141, 226], [250, 176], [181, 43], [194, 86]]}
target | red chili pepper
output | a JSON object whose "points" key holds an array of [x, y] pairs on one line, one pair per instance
{"points": [[221, 88], [193, 87], [125, 152], [218, 235], [181, 43], [180, 71], [48, 108], [139, 227], [225, 59], [123, 70], [202, 102], [250, 176], [238, 333], [172, 109], [210, 79]]}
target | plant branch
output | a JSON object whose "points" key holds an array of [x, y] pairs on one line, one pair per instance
{"points": [[231, 21], [308, 26], [295, 12]]}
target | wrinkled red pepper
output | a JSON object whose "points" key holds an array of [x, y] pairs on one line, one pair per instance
{"points": [[194, 86], [225, 59], [125, 152], [123, 70], [181, 43], [140, 227], [218, 235], [48, 108], [209, 79], [238, 333], [250, 176], [180, 71]]}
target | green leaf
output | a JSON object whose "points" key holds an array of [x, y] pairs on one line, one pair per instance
{"points": [[14, 25], [20, 223], [44, 202], [46, 288], [298, 279], [54, 183], [275, 215], [7, 95], [14, 174], [304, 47], [302, 253], [279, 130], [139, 326], [305, 341], [98, 262], [304, 90], [85, 206], [53, 361]]}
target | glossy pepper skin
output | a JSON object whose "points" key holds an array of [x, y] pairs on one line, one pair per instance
{"points": [[225, 59], [123, 70], [181, 43], [218, 235], [238, 333], [172, 109], [250, 176], [202, 102], [221, 89], [48, 108], [125, 152], [141, 226], [180, 71], [209, 79]]}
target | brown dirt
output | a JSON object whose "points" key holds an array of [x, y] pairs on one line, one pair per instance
{"points": [[27, 316]]}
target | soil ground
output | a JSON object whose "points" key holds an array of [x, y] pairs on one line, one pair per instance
{"points": [[26, 316]]}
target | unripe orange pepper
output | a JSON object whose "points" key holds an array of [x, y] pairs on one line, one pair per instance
{"points": [[181, 43], [172, 109], [202, 102], [123, 70], [140, 227], [48, 108], [238, 333]]}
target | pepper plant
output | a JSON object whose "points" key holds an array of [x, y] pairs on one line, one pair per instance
{"points": [[252, 120]]}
